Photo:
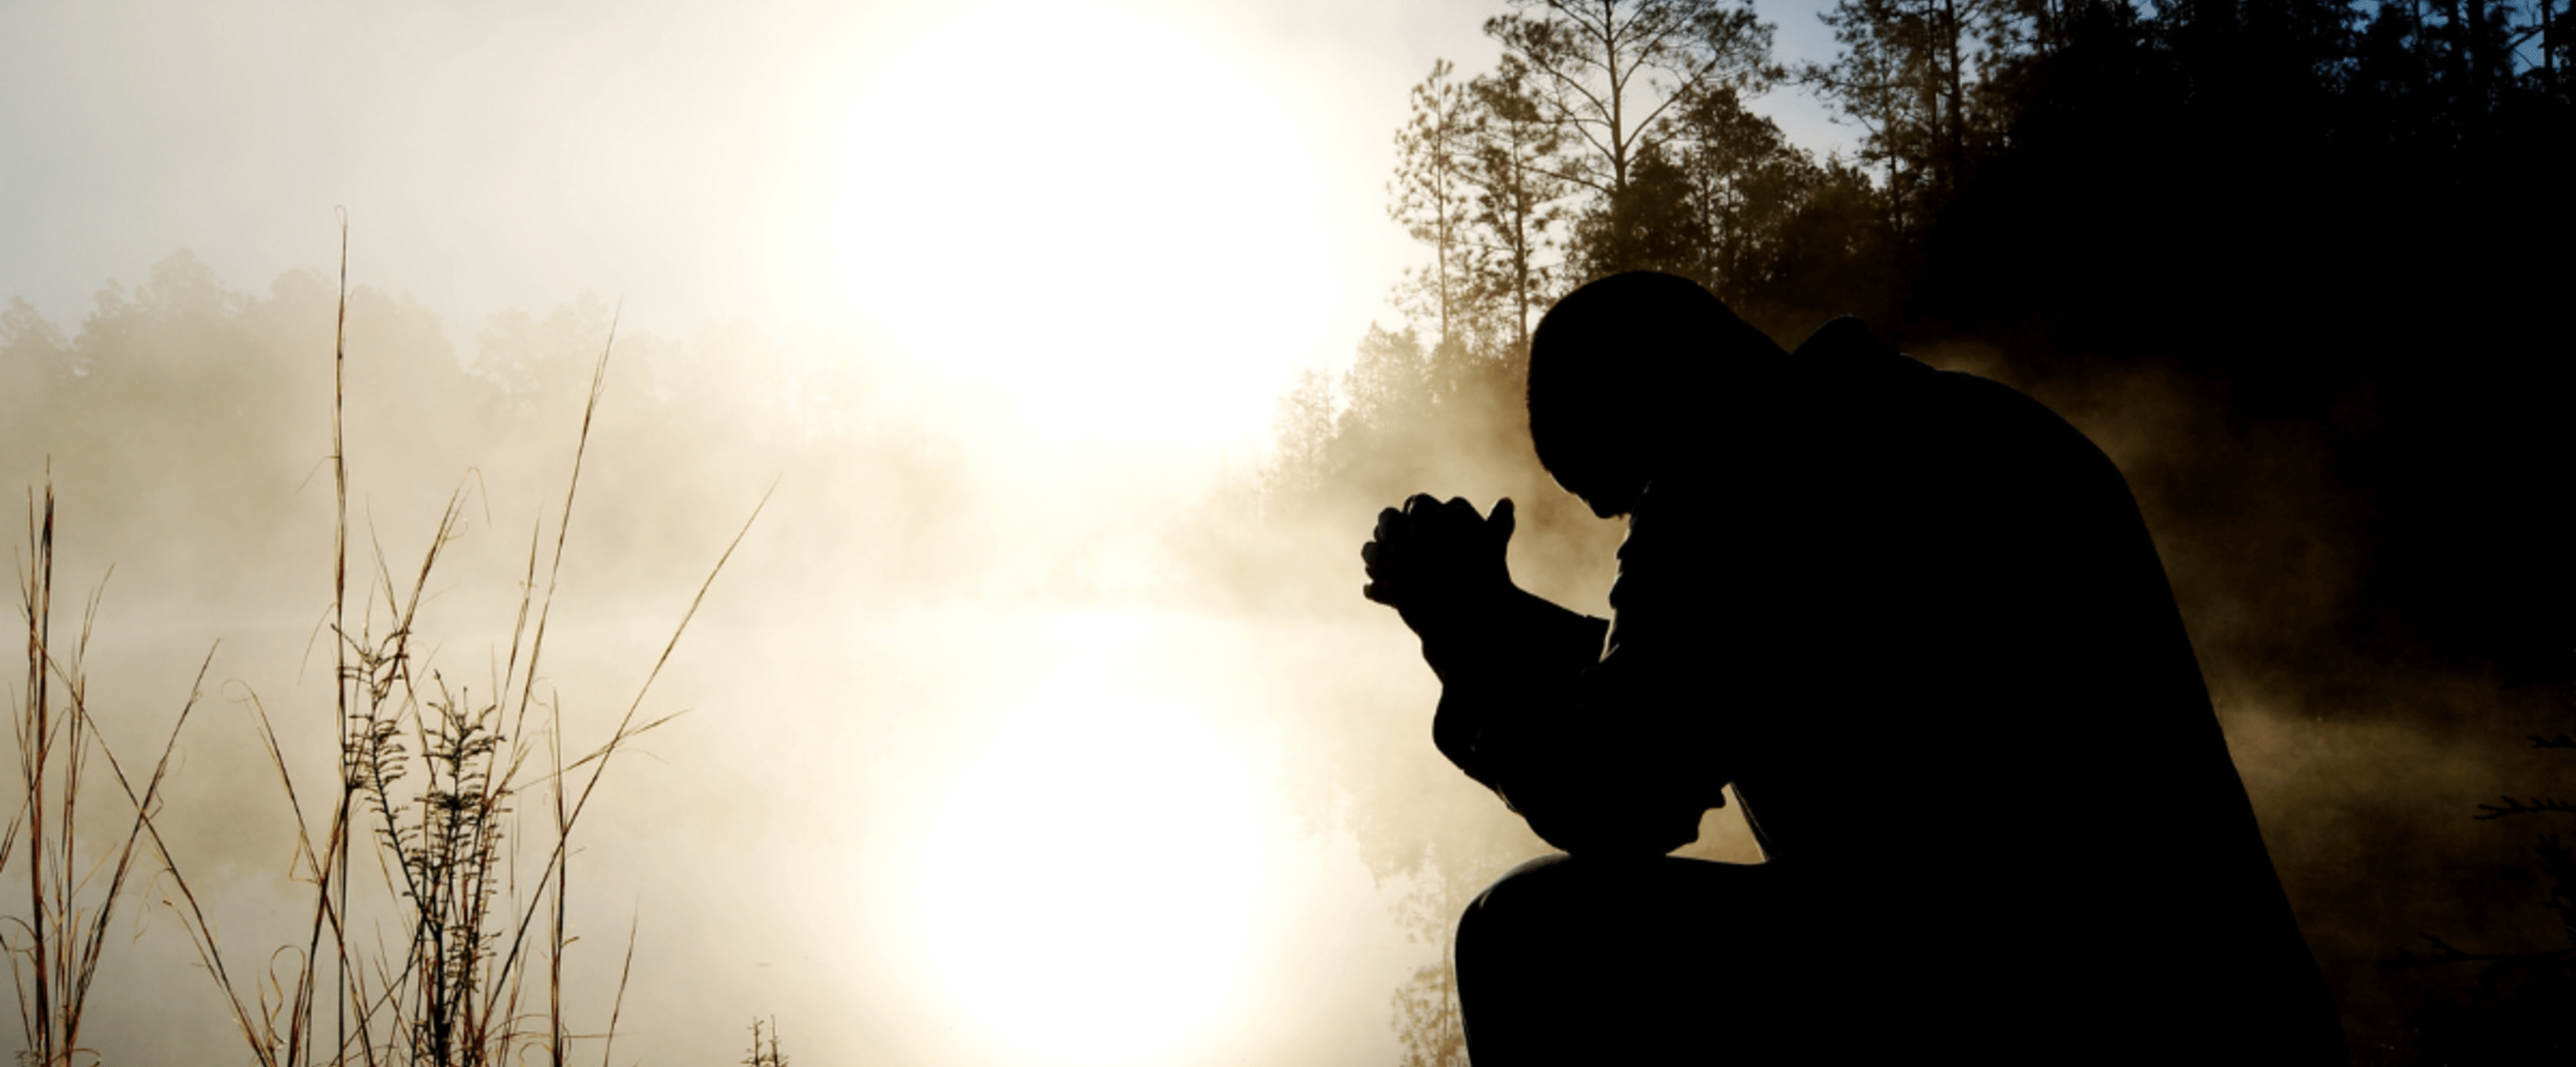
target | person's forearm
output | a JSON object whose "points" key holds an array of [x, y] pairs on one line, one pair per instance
{"points": [[1509, 628], [1510, 660], [1523, 712]]}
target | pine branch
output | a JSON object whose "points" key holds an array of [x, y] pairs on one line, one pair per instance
{"points": [[2445, 952], [2517, 806]]}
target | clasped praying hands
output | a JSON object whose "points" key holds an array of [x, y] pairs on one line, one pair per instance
{"points": [[1435, 562]]}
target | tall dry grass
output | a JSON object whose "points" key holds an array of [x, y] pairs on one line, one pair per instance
{"points": [[455, 954], [55, 948], [764, 1055]]}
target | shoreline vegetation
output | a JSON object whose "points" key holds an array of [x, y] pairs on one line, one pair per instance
{"points": [[2292, 263], [2261, 251], [433, 781]]}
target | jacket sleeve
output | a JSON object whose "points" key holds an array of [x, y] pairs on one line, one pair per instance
{"points": [[1599, 752], [1516, 661]]}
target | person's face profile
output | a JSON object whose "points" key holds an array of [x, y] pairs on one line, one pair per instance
{"points": [[1614, 503], [1615, 465]]}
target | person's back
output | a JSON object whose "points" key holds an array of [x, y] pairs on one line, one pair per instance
{"points": [[1966, 710], [1915, 619]]}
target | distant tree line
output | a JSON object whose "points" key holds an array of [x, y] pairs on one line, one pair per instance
{"points": [[180, 405], [2350, 215]]}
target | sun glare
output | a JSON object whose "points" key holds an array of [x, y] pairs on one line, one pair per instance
{"points": [[1103, 216], [1091, 883]]}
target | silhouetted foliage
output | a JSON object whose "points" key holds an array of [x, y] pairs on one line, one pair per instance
{"points": [[764, 1055], [2332, 237], [2304, 204], [1428, 1023], [1433, 195], [1619, 79], [2517, 1003]]}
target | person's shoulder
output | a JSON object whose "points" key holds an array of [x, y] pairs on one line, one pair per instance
{"points": [[1844, 353], [2012, 439], [1969, 392], [1977, 400], [1945, 416]]}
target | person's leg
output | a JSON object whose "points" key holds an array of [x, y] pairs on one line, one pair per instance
{"points": [[1570, 961]]}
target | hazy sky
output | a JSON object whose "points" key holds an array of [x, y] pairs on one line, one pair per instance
{"points": [[959, 783], [1197, 188], [1126, 223]]}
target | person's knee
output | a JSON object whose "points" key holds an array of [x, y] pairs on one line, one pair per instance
{"points": [[1553, 886], [1532, 886], [1524, 905], [1562, 959], [1560, 912]]}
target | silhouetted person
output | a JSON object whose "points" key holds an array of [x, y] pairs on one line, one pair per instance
{"points": [[1915, 619]]}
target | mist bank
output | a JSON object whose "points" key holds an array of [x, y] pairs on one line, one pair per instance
{"points": [[912, 602], [925, 590]]}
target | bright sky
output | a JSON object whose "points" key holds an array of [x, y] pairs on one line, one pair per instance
{"points": [[1094, 205], [1126, 222]]}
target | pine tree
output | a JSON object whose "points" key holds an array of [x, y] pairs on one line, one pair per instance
{"points": [[1613, 77]]}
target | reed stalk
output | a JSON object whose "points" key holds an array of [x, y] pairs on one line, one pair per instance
{"points": [[430, 775]]}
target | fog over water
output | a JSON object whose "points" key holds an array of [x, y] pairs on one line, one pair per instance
{"points": [[966, 772], [992, 748], [999, 297]]}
